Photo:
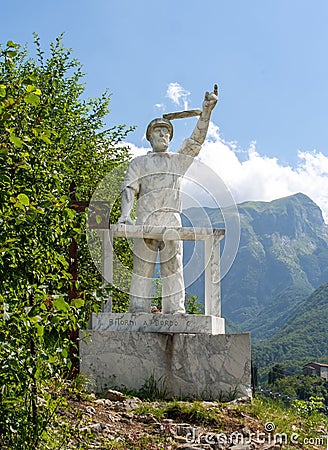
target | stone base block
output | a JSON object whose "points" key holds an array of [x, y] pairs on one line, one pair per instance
{"points": [[158, 323], [194, 366]]}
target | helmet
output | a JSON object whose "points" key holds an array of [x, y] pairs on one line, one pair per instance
{"points": [[159, 122]]}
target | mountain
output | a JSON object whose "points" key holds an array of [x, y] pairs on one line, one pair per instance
{"points": [[282, 258], [303, 339]]}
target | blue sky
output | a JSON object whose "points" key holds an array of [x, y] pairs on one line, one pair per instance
{"points": [[268, 57]]}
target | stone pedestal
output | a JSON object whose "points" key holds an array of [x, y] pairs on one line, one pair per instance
{"points": [[194, 366]]}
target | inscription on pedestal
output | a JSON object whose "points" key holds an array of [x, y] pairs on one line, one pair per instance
{"points": [[158, 323]]}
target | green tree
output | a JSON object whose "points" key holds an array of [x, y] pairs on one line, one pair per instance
{"points": [[275, 373], [302, 387], [49, 136]]}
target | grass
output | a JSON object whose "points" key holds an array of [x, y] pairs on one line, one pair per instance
{"points": [[289, 419], [187, 412]]}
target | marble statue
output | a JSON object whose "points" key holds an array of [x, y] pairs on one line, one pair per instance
{"points": [[155, 180]]}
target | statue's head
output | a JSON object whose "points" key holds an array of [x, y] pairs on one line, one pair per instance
{"points": [[159, 133]]}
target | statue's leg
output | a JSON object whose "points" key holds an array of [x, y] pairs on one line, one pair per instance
{"points": [[173, 294], [144, 259]]}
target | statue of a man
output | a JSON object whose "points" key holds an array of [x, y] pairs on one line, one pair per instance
{"points": [[155, 180]]}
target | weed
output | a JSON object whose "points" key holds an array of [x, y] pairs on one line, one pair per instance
{"points": [[195, 412]]}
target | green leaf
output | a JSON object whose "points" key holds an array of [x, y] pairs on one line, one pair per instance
{"points": [[31, 88], [23, 199], [16, 140], [32, 99], [39, 329], [45, 138], [77, 302], [61, 305], [12, 44], [5, 179], [2, 90]]}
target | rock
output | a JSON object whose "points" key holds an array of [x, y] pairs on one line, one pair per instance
{"points": [[127, 405], [193, 447], [100, 401], [95, 427], [90, 410], [181, 439], [109, 433], [127, 415], [270, 447], [241, 400], [131, 403], [184, 429], [217, 446], [146, 418], [115, 396], [124, 420], [245, 431], [241, 447], [167, 421], [211, 404]]}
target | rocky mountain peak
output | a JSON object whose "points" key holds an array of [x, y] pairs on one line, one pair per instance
{"points": [[290, 216]]}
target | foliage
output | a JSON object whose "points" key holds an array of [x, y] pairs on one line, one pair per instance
{"points": [[307, 408], [187, 412], [194, 412], [153, 389], [275, 373], [285, 418], [302, 339], [49, 136], [193, 305], [302, 387]]}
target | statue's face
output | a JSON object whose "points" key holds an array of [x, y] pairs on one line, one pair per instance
{"points": [[160, 138]]}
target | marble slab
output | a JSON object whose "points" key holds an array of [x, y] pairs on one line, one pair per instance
{"points": [[165, 233], [158, 323], [183, 366]]}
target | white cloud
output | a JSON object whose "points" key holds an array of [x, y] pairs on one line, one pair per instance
{"points": [[265, 178], [137, 151], [159, 106], [178, 95]]}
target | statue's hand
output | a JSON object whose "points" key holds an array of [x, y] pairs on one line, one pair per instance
{"points": [[211, 99], [126, 220]]}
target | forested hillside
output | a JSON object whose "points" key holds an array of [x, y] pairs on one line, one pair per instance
{"points": [[303, 338]]}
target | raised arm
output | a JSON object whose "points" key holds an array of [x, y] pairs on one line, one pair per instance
{"points": [[192, 145], [200, 131]]}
